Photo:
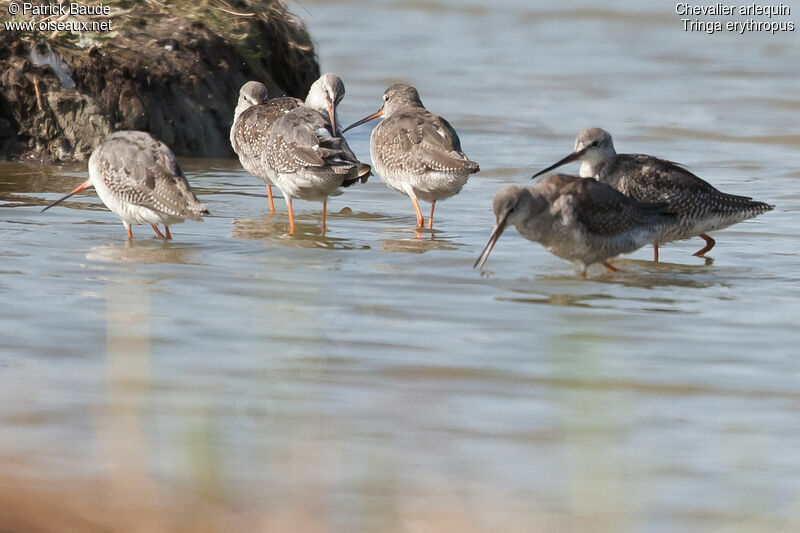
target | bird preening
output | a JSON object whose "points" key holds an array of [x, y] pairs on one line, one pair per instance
{"points": [[138, 178], [615, 205]]}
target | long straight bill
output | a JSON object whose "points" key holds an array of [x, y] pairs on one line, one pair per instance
{"points": [[493, 238], [571, 157], [82, 187], [332, 118], [376, 114]]}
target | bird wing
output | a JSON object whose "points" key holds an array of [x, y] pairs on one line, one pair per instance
{"points": [[604, 211], [651, 179], [249, 137], [146, 173], [302, 138], [416, 140]]}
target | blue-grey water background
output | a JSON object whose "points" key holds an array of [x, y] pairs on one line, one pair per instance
{"points": [[371, 377]]}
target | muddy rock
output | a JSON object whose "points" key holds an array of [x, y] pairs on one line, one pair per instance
{"points": [[175, 73]]}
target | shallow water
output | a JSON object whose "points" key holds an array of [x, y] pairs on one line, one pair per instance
{"points": [[371, 376]]}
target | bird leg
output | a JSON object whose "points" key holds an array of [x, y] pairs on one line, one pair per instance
{"points": [[430, 219], [655, 253], [583, 273], [291, 214], [128, 229], [324, 211], [158, 231], [166, 228], [709, 245], [420, 220], [610, 267], [271, 202]]}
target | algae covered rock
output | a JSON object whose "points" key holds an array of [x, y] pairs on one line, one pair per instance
{"points": [[172, 68]]}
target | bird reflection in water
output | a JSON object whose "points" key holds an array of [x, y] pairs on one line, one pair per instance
{"points": [[273, 230], [146, 251], [422, 241]]}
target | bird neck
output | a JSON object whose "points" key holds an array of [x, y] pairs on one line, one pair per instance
{"points": [[593, 165], [588, 169], [241, 106]]}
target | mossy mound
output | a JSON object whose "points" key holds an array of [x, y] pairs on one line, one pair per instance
{"points": [[171, 68]]}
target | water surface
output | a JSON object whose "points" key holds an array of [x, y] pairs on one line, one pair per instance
{"points": [[371, 378]]}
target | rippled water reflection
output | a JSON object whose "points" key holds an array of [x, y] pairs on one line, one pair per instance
{"points": [[370, 378]]}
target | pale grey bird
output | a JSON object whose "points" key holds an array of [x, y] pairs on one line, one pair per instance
{"points": [[416, 152], [309, 159], [255, 113], [579, 220], [138, 178], [700, 208]]}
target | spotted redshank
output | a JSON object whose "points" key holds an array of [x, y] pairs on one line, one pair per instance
{"points": [[580, 220], [138, 178], [255, 113], [416, 152], [700, 208], [308, 157]]}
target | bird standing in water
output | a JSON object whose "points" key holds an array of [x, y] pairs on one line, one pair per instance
{"points": [[255, 113], [138, 178], [308, 157], [580, 220], [700, 208], [416, 152]]}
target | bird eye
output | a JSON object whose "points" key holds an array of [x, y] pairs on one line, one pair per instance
{"points": [[385, 97], [595, 143]]}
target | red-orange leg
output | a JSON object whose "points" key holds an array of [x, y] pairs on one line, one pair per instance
{"points": [[610, 267], [158, 231], [130, 233], [271, 201], [324, 214], [420, 220], [291, 215], [430, 218], [655, 253], [709, 245], [166, 228]]}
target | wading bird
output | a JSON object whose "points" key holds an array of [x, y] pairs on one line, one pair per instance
{"points": [[579, 220], [255, 113], [700, 208], [138, 178], [416, 152], [309, 159]]}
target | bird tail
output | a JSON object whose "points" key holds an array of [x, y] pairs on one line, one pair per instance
{"points": [[731, 202], [363, 172], [196, 211]]}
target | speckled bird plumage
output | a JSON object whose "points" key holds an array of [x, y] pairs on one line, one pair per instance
{"points": [[699, 207], [417, 152], [255, 114], [139, 179], [309, 162], [309, 159], [580, 220]]}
